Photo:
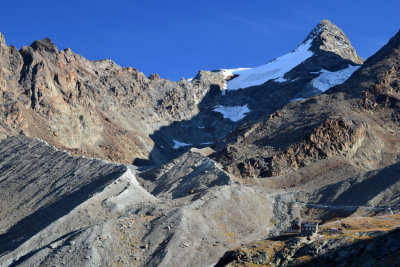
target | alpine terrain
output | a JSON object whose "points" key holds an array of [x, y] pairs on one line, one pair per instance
{"points": [[103, 166]]}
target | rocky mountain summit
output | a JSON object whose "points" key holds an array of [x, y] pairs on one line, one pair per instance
{"points": [[103, 166], [327, 37]]}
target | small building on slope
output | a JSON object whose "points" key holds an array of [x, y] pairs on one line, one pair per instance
{"points": [[308, 228]]}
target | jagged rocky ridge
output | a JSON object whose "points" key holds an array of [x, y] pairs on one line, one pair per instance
{"points": [[202, 201], [94, 108]]}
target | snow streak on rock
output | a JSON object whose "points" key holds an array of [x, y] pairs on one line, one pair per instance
{"points": [[233, 113], [329, 79], [297, 99], [178, 144]]}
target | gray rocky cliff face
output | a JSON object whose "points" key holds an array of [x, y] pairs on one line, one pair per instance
{"points": [[331, 52]]}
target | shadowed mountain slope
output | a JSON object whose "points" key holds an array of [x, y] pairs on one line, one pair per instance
{"points": [[40, 184]]}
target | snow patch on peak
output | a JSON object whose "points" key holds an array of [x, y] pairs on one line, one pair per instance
{"points": [[297, 99], [207, 143], [235, 113], [280, 80], [328, 79], [178, 144], [229, 72], [273, 70]]}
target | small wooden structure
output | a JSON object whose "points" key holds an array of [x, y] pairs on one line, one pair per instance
{"points": [[294, 228]]}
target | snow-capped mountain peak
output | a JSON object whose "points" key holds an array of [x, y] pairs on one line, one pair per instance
{"points": [[326, 46]]}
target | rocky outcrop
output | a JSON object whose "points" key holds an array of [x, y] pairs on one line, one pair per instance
{"points": [[331, 38], [332, 51], [332, 138], [100, 109], [57, 209], [262, 100], [191, 173]]}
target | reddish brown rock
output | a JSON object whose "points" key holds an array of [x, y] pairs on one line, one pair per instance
{"points": [[95, 108]]}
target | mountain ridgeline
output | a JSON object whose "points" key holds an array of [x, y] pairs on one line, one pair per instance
{"points": [[99, 109]]}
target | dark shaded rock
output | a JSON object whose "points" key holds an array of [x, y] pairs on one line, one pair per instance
{"points": [[46, 45]]}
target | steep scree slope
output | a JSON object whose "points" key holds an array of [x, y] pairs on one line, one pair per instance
{"points": [[57, 209]]}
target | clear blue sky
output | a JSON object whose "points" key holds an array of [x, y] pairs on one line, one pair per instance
{"points": [[177, 38]]}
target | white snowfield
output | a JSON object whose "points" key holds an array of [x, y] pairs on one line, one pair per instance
{"points": [[329, 79], [178, 144], [233, 113], [273, 70]]}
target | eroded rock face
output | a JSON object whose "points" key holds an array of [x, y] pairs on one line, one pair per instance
{"points": [[331, 138], [330, 147], [10, 66], [77, 209], [40, 184], [90, 107]]}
